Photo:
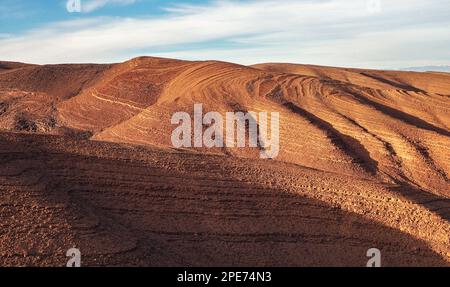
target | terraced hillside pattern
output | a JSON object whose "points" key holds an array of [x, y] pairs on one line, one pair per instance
{"points": [[86, 161]]}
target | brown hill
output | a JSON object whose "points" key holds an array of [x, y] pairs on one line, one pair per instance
{"points": [[363, 162]]}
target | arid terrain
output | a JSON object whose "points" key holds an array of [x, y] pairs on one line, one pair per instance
{"points": [[86, 161]]}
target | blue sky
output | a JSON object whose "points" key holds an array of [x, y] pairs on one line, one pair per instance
{"points": [[355, 33], [20, 15]]}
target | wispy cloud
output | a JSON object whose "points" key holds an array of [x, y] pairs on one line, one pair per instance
{"points": [[331, 32], [88, 6]]}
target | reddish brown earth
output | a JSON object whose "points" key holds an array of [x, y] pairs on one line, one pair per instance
{"points": [[87, 162]]}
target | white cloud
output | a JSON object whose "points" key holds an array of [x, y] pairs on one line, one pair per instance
{"points": [[88, 6], [328, 32]]}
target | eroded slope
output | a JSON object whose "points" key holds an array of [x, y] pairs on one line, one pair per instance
{"points": [[363, 162]]}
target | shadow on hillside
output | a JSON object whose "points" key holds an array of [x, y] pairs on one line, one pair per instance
{"points": [[133, 213]]}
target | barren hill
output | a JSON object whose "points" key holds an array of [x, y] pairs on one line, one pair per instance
{"points": [[87, 162]]}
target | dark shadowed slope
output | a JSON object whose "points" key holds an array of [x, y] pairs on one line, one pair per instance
{"points": [[134, 206]]}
